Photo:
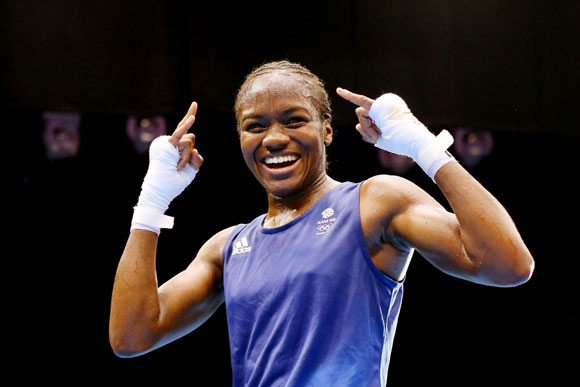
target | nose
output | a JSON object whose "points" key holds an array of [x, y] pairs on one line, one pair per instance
{"points": [[276, 138]]}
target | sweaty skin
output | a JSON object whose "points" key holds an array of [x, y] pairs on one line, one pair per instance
{"points": [[277, 120]]}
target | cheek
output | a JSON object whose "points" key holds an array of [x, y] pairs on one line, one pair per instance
{"points": [[248, 146]]}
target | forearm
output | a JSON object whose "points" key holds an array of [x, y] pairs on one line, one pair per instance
{"points": [[138, 321], [481, 242], [135, 306], [487, 232]]}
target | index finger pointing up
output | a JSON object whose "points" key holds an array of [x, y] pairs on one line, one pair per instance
{"points": [[184, 125], [191, 112], [357, 99]]}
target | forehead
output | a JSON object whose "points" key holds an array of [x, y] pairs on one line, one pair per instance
{"points": [[276, 91]]}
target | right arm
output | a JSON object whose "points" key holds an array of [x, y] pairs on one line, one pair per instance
{"points": [[144, 316]]}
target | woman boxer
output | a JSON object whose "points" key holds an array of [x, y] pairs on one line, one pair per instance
{"points": [[313, 287]]}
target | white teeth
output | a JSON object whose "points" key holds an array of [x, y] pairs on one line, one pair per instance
{"points": [[280, 159]]}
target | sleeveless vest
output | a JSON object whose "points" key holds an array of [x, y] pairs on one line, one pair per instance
{"points": [[305, 304]]}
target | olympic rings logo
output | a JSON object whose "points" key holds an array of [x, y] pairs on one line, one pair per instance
{"points": [[324, 227]]}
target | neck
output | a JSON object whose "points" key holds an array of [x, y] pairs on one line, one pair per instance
{"points": [[282, 210]]}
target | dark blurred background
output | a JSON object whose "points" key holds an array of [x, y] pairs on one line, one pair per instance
{"points": [[501, 75]]}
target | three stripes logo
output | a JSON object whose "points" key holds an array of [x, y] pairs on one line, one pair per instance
{"points": [[241, 247]]}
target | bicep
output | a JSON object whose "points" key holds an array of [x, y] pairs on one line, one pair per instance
{"points": [[189, 298], [434, 233]]}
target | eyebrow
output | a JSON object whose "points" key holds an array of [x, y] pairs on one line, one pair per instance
{"points": [[284, 113]]}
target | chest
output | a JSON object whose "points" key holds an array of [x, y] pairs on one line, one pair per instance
{"points": [[271, 266]]}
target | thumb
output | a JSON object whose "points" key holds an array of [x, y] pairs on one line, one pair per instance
{"points": [[196, 160]]}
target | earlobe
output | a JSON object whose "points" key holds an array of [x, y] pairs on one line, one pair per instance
{"points": [[328, 135]]}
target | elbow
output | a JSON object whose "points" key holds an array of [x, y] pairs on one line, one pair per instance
{"points": [[522, 267], [124, 346], [131, 336], [517, 272], [518, 276], [123, 352], [506, 267]]}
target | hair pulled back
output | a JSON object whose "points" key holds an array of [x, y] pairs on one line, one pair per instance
{"points": [[321, 101]]}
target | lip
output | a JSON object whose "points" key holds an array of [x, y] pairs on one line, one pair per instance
{"points": [[280, 172]]}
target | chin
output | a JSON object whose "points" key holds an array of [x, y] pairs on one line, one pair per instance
{"points": [[282, 190], [285, 187]]}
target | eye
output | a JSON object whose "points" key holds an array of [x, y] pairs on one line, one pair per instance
{"points": [[296, 122], [254, 127]]}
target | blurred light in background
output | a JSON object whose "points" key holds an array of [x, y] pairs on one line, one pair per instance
{"points": [[61, 135], [142, 131], [472, 146], [394, 162]]}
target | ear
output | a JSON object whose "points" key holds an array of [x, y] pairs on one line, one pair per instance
{"points": [[327, 133]]}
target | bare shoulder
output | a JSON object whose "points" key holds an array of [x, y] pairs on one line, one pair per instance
{"points": [[212, 250], [392, 193], [385, 200], [382, 198]]}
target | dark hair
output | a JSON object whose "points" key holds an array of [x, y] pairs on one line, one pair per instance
{"points": [[320, 96]]}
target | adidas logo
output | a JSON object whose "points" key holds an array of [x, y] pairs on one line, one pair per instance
{"points": [[241, 247]]}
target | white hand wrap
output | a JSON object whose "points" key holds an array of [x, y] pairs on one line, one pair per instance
{"points": [[403, 134], [162, 183]]}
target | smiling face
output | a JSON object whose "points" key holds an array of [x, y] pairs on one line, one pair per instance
{"points": [[282, 134]]}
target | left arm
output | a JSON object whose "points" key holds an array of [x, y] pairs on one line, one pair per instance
{"points": [[488, 234], [478, 241]]}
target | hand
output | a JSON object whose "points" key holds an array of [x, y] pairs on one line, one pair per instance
{"points": [[173, 164], [185, 142], [388, 123], [366, 126]]}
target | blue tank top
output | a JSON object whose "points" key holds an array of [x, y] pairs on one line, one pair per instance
{"points": [[305, 304]]}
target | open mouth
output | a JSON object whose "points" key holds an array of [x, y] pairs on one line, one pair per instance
{"points": [[278, 162]]}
